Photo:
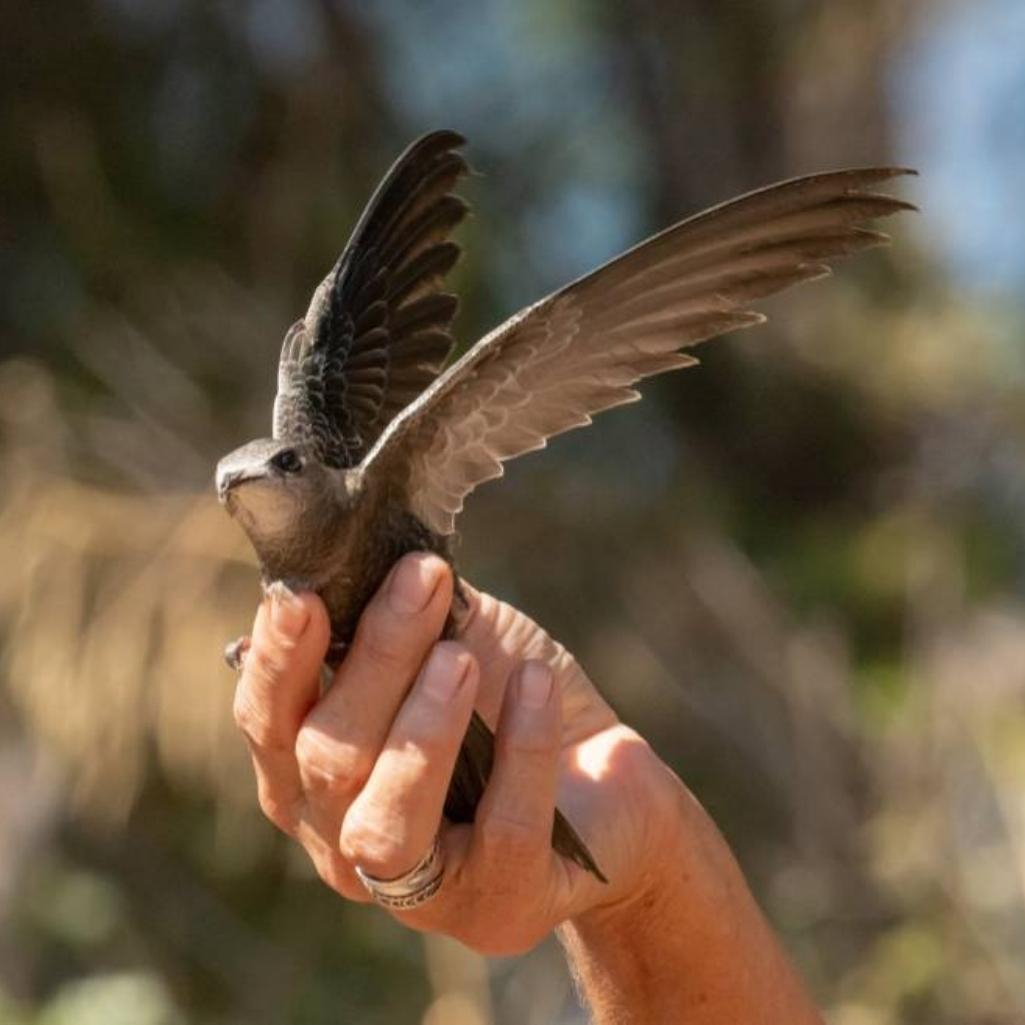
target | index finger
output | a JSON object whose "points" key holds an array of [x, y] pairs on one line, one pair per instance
{"points": [[279, 682], [342, 736]]}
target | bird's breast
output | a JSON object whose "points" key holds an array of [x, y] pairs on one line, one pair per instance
{"points": [[365, 557]]}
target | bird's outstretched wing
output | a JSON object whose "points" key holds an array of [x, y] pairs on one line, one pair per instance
{"points": [[579, 351], [377, 330]]}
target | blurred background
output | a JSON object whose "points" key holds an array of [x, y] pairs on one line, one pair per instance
{"points": [[798, 569]]}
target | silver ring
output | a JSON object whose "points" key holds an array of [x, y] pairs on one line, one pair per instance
{"points": [[412, 888]]}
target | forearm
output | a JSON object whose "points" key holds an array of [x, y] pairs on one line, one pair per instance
{"points": [[690, 946]]}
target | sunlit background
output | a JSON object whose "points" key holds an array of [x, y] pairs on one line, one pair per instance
{"points": [[798, 569]]}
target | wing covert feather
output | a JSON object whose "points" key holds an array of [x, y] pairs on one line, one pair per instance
{"points": [[377, 329], [553, 366]]}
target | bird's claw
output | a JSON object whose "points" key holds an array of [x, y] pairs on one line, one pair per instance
{"points": [[235, 652], [286, 587], [336, 653], [458, 613]]}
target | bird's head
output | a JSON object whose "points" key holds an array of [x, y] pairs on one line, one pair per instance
{"points": [[279, 489]]}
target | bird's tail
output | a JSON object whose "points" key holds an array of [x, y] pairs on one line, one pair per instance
{"points": [[473, 767], [477, 755]]}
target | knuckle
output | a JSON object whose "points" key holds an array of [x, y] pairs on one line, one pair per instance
{"points": [[455, 656], [507, 837], [379, 643], [427, 742], [332, 870], [536, 746], [329, 765], [280, 812], [255, 722], [430, 749], [346, 883], [365, 841], [268, 662], [242, 711]]}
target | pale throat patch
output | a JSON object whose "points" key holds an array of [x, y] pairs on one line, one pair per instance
{"points": [[267, 510]]}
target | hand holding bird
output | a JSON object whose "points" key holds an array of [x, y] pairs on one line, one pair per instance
{"points": [[375, 446], [359, 773]]}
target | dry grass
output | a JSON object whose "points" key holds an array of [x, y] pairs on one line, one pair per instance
{"points": [[906, 846], [113, 609]]}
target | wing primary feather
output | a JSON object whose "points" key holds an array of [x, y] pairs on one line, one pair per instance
{"points": [[426, 312], [430, 221], [380, 311], [553, 366], [422, 272]]}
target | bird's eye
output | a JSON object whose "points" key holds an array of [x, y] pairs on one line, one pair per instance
{"points": [[288, 461]]}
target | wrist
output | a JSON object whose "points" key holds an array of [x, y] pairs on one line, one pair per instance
{"points": [[631, 953], [687, 942]]}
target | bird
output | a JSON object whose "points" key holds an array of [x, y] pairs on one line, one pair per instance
{"points": [[376, 442]]}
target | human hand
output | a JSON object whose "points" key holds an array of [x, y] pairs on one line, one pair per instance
{"points": [[358, 776]]}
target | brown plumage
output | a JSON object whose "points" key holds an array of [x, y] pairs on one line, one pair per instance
{"points": [[374, 448]]}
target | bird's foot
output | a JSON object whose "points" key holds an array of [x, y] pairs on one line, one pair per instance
{"points": [[335, 653], [458, 612], [287, 586], [332, 660], [459, 600], [235, 652]]}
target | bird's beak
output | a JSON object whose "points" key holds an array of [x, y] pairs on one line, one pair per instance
{"points": [[227, 479]]}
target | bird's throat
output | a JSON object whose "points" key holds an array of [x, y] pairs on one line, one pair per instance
{"points": [[295, 539]]}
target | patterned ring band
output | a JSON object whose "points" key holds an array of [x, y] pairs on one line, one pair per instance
{"points": [[412, 888]]}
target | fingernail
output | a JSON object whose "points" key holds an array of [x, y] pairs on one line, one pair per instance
{"points": [[535, 685], [412, 584], [287, 613], [444, 673]]}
